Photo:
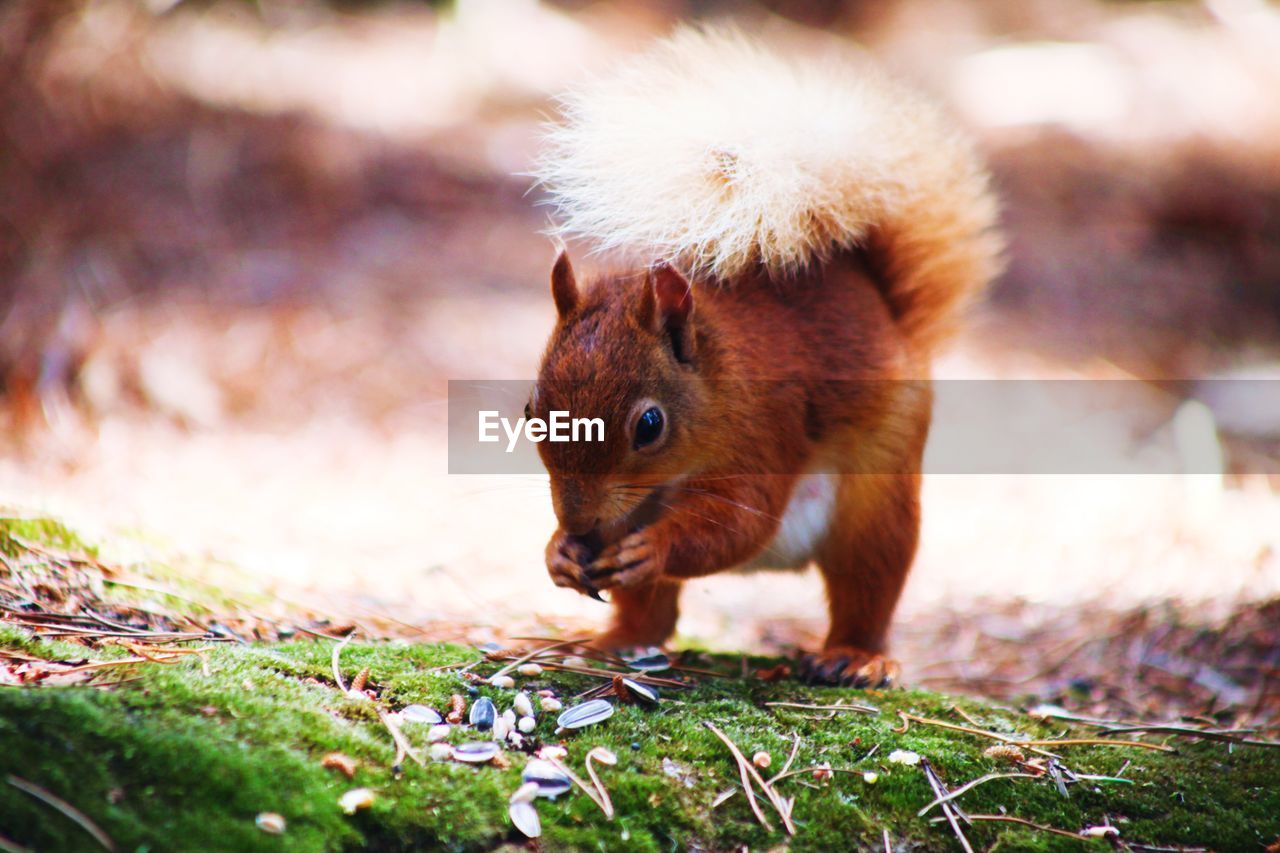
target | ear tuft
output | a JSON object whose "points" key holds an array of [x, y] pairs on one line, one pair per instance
{"points": [[564, 287]]}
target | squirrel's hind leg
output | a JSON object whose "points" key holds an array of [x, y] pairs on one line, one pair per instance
{"points": [[642, 616], [869, 547]]}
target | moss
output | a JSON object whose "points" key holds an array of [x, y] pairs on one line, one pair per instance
{"points": [[40, 531], [181, 759]]}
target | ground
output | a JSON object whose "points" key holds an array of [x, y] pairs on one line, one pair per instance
{"points": [[158, 747]]}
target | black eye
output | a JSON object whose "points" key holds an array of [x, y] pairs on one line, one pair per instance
{"points": [[649, 427]]}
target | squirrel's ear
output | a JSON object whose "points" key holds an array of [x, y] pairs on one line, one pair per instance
{"points": [[669, 304], [564, 288]]}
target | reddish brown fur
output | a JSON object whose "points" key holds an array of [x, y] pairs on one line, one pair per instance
{"points": [[781, 378]]}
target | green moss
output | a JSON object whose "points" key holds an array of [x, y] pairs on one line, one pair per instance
{"points": [[180, 759], [41, 531]]}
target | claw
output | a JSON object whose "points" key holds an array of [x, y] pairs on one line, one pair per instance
{"points": [[848, 667], [589, 589], [833, 670]]}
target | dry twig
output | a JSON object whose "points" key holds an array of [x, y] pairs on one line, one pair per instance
{"points": [[598, 795], [1001, 818], [971, 785], [337, 669], [748, 771], [403, 747], [860, 709], [948, 810], [907, 719], [525, 658]]}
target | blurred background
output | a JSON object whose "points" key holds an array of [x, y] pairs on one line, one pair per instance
{"points": [[244, 245]]}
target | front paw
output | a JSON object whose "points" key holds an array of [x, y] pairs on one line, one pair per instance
{"points": [[638, 558], [567, 560]]}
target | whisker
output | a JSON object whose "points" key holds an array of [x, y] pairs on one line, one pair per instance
{"points": [[729, 501], [686, 511]]}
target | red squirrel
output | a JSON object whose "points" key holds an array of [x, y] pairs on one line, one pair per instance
{"points": [[807, 234]]}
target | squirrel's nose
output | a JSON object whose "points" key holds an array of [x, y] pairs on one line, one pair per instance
{"points": [[580, 526]]}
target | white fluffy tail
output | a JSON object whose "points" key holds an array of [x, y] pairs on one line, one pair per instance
{"points": [[717, 155]]}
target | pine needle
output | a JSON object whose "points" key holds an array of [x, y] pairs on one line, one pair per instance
{"points": [[69, 811]]}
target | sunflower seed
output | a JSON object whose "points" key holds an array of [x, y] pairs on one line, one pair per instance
{"points": [[510, 716], [525, 818], [643, 692], [550, 780], [501, 728], [650, 663], [355, 799], [441, 752], [438, 733], [550, 704], [270, 823], [594, 711], [421, 714], [529, 669], [525, 793], [506, 682], [476, 752], [523, 705], [527, 724], [483, 713]]}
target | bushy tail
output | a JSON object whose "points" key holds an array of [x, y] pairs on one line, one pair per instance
{"points": [[717, 155]]}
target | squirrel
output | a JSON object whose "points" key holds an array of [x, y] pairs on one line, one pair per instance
{"points": [[804, 236]]}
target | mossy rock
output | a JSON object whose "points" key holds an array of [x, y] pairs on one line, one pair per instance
{"points": [[181, 758]]}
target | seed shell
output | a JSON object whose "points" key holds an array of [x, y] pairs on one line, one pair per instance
{"points": [[421, 714], [650, 663], [270, 823], [501, 728], [525, 793], [476, 752], [525, 818], [483, 713], [550, 780], [586, 714], [355, 799], [643, 692]]}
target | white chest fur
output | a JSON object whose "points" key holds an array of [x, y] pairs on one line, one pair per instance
{"points": [[804, 524]]}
